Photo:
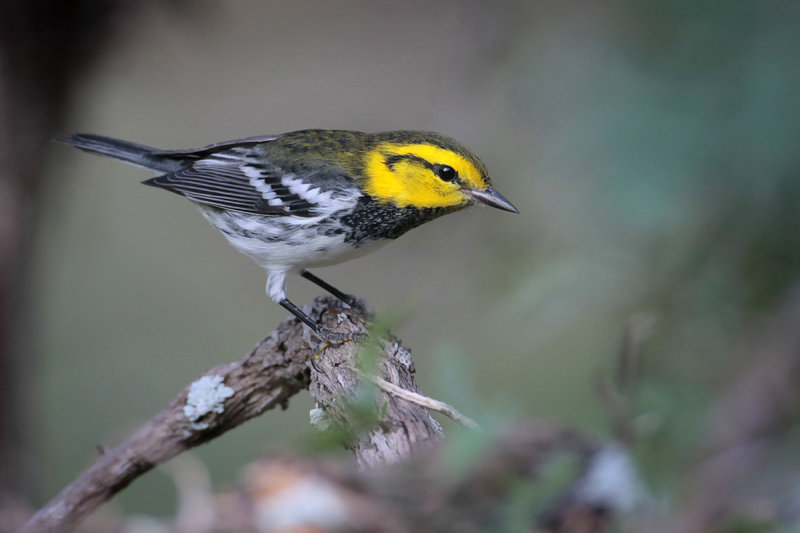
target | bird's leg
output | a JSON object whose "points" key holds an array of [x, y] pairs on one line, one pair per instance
{"points": [[325, 334], [349, 299]]}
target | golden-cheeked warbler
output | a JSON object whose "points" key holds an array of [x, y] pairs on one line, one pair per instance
{"points": [[314, 197]]}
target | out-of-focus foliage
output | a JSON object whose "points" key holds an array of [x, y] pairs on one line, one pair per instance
{"points": [[651, 147]]}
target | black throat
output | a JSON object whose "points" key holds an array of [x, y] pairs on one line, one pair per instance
{"points": [[371, 220]]}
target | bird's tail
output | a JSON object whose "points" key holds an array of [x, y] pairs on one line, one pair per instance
{"points": [[135, 154]]}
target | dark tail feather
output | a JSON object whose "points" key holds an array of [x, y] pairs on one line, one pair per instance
{"points": [[135, 154]]}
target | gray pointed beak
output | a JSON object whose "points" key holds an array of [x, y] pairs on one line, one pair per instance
{"points": [[492, 198]]}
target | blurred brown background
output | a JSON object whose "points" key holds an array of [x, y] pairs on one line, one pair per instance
{"points": [[651, 147]]}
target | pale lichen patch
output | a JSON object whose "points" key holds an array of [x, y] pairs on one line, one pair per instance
{"points": [[206, 395]]}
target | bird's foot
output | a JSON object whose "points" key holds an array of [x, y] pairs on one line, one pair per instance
{"points": [[336, 338], [331, 339]]}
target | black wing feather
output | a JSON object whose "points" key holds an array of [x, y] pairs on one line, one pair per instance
{"points": [[219, 180]]}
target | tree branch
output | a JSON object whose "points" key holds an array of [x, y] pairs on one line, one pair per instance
{"points": [[400, 425], [228, 395]]}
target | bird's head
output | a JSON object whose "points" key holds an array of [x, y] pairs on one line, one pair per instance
{"points": [[427, 170]]}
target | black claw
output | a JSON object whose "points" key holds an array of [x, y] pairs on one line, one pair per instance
{"points": [[337, 337], [324, 334]]}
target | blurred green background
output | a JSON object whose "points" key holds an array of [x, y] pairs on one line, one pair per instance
{"points": [[650, 146]]}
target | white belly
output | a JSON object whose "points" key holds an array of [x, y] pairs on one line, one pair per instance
{"points": [[285, 243]]}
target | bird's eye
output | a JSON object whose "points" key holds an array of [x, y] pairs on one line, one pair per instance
{"points": [[446, 173]]}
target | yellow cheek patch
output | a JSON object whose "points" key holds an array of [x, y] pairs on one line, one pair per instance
{"points": [[409, 182]]}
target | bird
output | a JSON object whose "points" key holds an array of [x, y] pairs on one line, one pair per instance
{"points": [[314, 197]]}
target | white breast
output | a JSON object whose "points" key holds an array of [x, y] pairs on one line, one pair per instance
{"points": [[285, 243]]}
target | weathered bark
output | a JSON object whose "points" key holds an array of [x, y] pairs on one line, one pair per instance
{"points": [[287, 361]]}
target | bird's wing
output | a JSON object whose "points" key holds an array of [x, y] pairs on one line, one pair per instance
{"points": [[245, 178], [196, 153]]}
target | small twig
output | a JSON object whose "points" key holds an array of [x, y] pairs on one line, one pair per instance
{"points": [[420, 399], [617, 394], [640, 327]]}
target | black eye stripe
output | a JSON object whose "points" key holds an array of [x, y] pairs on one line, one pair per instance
{"points": [[444, 172], [392, 160]]}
